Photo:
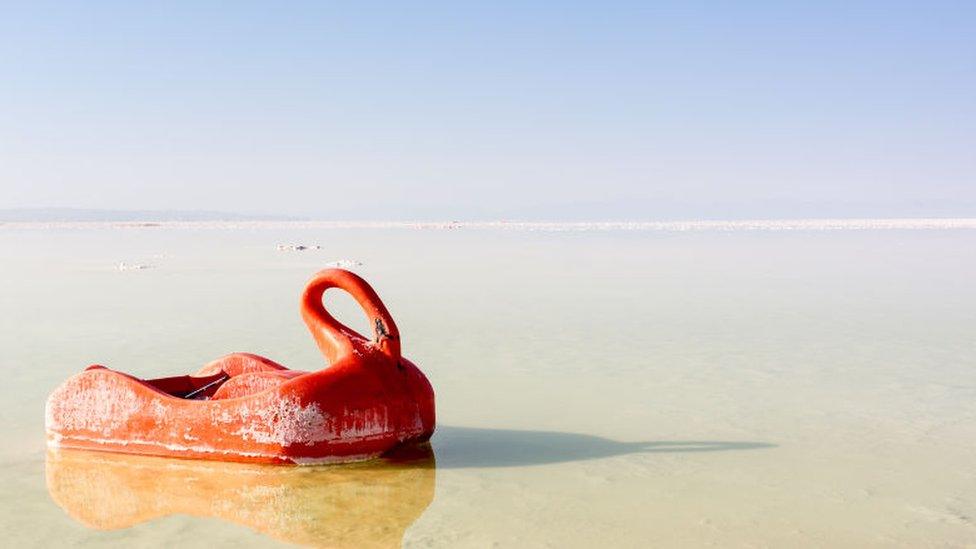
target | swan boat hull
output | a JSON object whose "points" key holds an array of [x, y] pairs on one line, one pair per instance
{"points": [[243, 407]]}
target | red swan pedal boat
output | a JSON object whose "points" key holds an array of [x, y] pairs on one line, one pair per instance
{"points": [[244, 407]]}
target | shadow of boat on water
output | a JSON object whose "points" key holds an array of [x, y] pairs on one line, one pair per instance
{"points": [[462, 447], [368, 504]]}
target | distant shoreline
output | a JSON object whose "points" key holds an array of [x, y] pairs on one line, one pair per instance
{"points": [[545, 226], [94, 215]]}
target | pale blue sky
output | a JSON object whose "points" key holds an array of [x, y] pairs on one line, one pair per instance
{"points": [[538, 110]]}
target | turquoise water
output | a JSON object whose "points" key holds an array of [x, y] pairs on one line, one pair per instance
{"points": [[595, 388]]}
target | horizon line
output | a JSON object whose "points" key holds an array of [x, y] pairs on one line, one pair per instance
{"points": [[798, 224]]}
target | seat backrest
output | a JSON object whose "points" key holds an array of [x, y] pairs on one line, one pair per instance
{"points": [[250, 383]]}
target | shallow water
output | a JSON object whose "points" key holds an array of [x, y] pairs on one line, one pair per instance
{"points": [[612, 388]]}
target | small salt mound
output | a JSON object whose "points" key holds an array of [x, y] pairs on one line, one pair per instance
{"points": [[344, 263], [123, 266], [296, 247]]}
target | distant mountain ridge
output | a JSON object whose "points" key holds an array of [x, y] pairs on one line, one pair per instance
{"points": [[27, 215]]}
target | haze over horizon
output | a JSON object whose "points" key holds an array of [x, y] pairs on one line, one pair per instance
{"points": [[78, 215], [619, 111]]}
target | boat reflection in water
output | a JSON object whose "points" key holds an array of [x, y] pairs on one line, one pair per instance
{"points": [[368, 504]]}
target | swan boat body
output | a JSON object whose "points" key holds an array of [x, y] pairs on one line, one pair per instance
{"points": [[244, 407]]}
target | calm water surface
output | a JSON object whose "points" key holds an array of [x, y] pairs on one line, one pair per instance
{"points": [[610, 389]]}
